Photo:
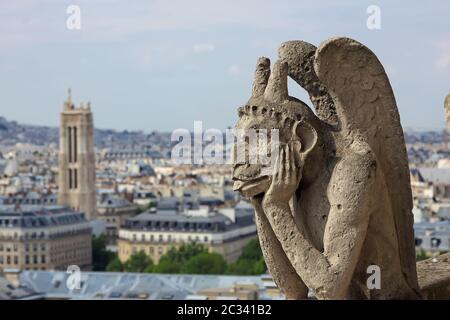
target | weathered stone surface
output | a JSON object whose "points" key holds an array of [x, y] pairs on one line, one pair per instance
{"points": [[339, 198], [77, 159], [434, 277]]}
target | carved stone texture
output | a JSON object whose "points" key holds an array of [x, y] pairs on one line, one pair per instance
{"points": [[338, 199], [434, 277], [77, 159]]}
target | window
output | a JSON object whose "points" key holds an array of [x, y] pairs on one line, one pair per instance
{"points": [[160, 250], [75, 147], [1, 247], [75, 178], [27, 259], [27, 247], [16, 260], [70, 178], [35, 259], [43, 260], [8, 260], [35, 247], [43, 246], [69, 138], [1, 259]]}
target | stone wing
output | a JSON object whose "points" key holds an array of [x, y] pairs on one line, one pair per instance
{"points": [[365, 106]]}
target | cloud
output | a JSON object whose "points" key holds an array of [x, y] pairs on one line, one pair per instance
{"points": [[233, 70], [443, 59], [203, 48], [30, 22]]}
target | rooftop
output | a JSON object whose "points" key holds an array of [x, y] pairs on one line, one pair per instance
{"points": [[110, 285], [38, 216]]}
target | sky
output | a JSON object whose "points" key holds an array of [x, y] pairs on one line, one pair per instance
{"points": [[163, 64]]}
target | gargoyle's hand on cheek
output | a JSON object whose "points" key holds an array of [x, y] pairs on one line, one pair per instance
{"points": [[286, 176]]}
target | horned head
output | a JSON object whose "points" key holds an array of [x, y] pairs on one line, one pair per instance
{"points": [[270, 109]]}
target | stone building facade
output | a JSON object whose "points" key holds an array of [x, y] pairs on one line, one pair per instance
{"points": [[77, 159], [155, 233], [113, 211], [45, 238]]}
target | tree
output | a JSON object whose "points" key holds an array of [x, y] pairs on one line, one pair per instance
{"points": [[251, 251], [241, 267], [205, 263], [146, 208], [421, 255], [167, 265], [138, 262], [173, 260], [250, 262], [115, 265], [100, 256], [260, 266], [185, 252], [150, 268]]}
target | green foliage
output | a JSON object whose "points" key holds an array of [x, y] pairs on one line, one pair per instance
{"points": [[150, 268], [241, 267], [251, 251], [185, 252], [146, 208], [194, 258], [174, 259], [138, 262], [421, 255], [100, 256], [205, 263], [166, 265], [260, 266], [115, 265], [251, 261]]}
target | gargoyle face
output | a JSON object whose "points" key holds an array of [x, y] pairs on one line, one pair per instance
{"points": [[269, 120], [252, 175]]}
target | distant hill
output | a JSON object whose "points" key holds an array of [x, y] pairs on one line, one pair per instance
{"points": [[11, 132]]}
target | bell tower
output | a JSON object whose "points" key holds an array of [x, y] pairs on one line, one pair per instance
{"points": [[77, 158]]}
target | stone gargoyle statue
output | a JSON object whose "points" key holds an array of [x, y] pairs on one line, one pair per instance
{"points": [[339, 199]]}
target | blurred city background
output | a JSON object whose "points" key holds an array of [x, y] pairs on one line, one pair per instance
{"points": [[112, 202]]}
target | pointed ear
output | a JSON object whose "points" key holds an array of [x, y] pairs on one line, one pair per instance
{"points": [[307, 136]]}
